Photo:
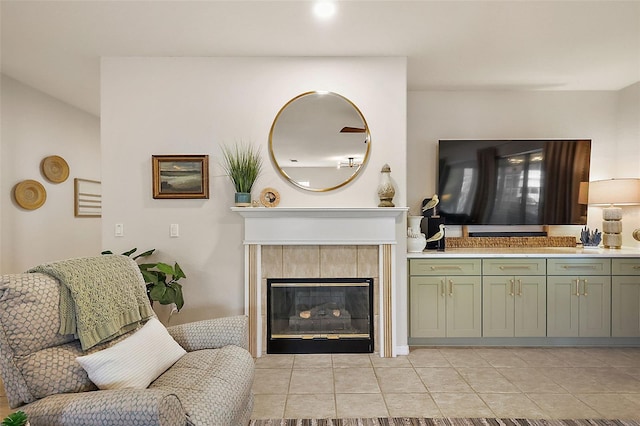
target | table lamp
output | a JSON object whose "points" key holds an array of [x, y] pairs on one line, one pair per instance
{"points": [[613, 193]]}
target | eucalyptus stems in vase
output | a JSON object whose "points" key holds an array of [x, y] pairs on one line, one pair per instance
{"points": [[243, 164]]}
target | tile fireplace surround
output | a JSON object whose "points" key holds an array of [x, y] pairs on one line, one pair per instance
{"points": [[296, 236]]}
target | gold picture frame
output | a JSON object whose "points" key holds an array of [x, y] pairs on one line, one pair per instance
{"points": [[180, 176], [269, 197]]}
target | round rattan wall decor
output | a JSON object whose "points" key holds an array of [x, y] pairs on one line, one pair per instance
{"points": [[29, 194], [55, 169]]}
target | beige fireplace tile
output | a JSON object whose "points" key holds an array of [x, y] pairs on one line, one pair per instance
{"points": [[376, 296], [338, 261], [271, 262], [368, 261], [301, 261], [312, 361], [275, 361]]}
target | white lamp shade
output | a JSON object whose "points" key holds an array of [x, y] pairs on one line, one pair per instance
{"points": [[617, 192]]}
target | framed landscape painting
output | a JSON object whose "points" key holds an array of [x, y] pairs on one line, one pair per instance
{"points": [[180, 176]]}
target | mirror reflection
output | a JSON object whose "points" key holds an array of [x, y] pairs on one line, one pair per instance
{"points": [[319, 141]]}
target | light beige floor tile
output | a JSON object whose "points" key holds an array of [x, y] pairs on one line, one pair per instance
{"points": [[268, 406], [464, 357], [501, 357], [312, 361], [271, 381], [399, 361], [615, 357], [318, 406], [513, 405], [577, 380], [313, 380], [439, 379], [611, 406], [614, 380], [351, 360], [577, 357], [531, 380], [427, 358], [487, 380], [540, 357], [355, 380], [633, 397], [461, 405], [563, 406], [275, 361], [411, 405], [632, 371], [399, 380], [352, 405]]}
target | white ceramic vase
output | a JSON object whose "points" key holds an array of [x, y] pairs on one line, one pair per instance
{"points": [[416, 241]]}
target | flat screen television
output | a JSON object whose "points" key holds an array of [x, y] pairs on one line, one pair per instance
{"points": [[512, 182]]}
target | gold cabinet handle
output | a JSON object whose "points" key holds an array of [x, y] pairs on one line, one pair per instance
{"points": [[436, 268], [503, 268], [512, 284], [579, 266], [443, 286], [519, 287], [636, 267], [451, 288], [584, 288], [578, 287]]}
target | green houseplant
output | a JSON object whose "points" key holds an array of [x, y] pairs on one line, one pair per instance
{"points": [[243, 164], [19, 418], [161, 278]]}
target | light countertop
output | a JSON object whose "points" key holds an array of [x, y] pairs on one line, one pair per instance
{"points": [[524, 252]]}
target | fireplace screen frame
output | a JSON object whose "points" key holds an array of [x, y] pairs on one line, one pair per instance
{"points": [[320, 343]]}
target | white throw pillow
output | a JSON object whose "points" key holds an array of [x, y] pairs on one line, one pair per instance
{"points": [[134, 362]]}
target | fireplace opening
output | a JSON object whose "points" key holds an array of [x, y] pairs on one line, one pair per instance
{"points": [[319, 315]]}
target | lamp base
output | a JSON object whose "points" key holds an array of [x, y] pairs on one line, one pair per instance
{"points": [[612, 227]]}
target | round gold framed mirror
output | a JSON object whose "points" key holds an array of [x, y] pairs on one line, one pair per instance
{"points": [[319, 141]]}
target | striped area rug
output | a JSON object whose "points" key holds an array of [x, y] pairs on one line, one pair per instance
{"points": [[406, 421]]}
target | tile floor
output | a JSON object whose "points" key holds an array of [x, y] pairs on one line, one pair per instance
{"points": [[449, 382], [551, 383]]}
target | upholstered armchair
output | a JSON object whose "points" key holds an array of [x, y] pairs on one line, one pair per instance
{"points": [[210, 383]]}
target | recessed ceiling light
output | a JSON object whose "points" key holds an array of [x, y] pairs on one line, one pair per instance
{"points": [[324, 9]]}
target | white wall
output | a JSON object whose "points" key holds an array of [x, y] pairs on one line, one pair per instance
{"points": [[34, 126], [191, 106], [628, 153], [434, 115]]}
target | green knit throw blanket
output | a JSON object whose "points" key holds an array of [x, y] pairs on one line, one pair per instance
{"points": [[101, 297]]}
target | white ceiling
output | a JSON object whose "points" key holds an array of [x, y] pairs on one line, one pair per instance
{"points": [[55, 46]]}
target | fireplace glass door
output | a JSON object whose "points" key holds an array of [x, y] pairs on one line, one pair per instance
{"points": [[320, 315]]}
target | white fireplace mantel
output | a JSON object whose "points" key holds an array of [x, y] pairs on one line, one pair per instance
{"points": [[322, 226]]}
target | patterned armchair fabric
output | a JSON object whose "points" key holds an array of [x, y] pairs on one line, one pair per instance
{"points": [[210, 385]]}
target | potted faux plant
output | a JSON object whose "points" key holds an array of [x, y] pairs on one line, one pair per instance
{"points": [[243, 164], [19, 418], [161, 278]]}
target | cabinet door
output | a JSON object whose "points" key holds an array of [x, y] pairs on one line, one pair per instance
{"points": [[530, 306], [427, 295], [464, 307], [498, 306], [595, 306], [562, 307], [625, 306]]}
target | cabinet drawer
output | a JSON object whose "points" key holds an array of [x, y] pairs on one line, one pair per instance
{"points": [[444, 267], [514, 266], [575, 266], [625, 266]]}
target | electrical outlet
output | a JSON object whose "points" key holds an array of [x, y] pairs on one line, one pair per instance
{"points": [[119, 231]]}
